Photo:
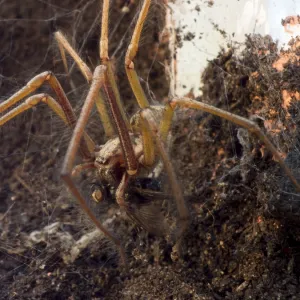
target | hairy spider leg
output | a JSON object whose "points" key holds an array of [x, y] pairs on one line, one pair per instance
{"points": [[148, 126], [97, 82], [105, 60], [238, 120], [64, 45], [149, 152], [131, 53], [61, 107]]}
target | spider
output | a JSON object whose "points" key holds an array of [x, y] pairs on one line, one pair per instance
{"points": [[133, 145]]}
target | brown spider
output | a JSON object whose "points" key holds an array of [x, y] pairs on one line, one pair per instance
{"points": [[132, 146]]}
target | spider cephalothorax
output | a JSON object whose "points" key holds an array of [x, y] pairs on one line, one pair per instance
{"points": [[110, 162]]}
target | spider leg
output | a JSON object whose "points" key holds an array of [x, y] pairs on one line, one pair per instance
{"points": [[183, 212], [131, 161], [62, 107], [166, 122], [148, 145], [66, 173], [112, 95], [64, 46], [243, 122], [120, 192], [130, 55], [106, 60], [80, 168], [33, 101], [113, 98]]}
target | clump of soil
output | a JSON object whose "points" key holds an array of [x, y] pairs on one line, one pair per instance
{"points": [[238, 245]]}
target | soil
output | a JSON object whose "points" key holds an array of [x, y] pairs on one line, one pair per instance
{"points": [[243, 238]]}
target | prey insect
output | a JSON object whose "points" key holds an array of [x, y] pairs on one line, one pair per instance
{"points": [[133, 146]]}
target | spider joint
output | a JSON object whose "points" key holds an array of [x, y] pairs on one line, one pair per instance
{"points": [[171, 103], [48, 75]]}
